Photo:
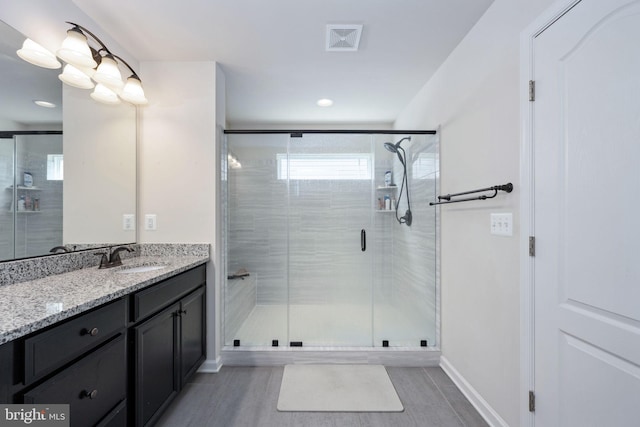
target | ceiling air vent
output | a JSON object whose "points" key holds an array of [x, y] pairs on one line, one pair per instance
{"points": [[343, 38]]}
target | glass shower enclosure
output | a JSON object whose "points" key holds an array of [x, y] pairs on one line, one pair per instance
{"points": [[31, 166], [314, 253]]}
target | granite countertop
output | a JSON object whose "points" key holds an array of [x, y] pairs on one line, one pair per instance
{"points": [[32, 305]]}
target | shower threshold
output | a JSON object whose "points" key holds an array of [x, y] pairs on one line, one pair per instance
{"points": [[329, 334], [275, 356]]}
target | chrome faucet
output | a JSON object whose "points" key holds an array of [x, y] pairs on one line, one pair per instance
{"points": [[113, 258]]}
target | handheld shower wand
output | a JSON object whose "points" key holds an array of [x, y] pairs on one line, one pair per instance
{"points": [[402, 156]]}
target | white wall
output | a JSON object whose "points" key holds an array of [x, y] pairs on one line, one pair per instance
{"points": [[474, 96], [177, 163], [100, 169]]}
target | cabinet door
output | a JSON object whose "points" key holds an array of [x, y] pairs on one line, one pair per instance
{"points": [[192, 333], [92, 387], [156, 360]]}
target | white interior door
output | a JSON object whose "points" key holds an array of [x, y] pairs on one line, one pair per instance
{"points": [[586, 127]]}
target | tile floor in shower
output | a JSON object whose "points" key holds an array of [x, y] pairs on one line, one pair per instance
{"points": [[334, 325]]}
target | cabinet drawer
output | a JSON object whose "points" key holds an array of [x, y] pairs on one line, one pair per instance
{"points": [[49, 350], [158, 296], [92, 387]]}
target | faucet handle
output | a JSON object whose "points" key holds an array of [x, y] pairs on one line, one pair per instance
{"points": [[104, 261]]}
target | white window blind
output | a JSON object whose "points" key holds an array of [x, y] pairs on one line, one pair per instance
{"points": [[338, 166], [55, 167], [426, 166]]}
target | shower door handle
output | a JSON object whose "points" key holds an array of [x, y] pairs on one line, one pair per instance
{"points": [[363, 240]]}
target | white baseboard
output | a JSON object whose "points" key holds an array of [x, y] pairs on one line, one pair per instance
{"points": [[210, 366], [481, 405]]}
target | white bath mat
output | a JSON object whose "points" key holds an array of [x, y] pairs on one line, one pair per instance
{"points": [[337, 388]]}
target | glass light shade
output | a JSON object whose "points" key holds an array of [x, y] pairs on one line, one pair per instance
{"points": [[75, 50], [133, 92], [108, 73], [35, 54], [105, 95], [76, 78]]}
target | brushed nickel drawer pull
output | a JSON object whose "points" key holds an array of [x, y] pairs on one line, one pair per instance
{"points": [[92, 332], [90, 394]]}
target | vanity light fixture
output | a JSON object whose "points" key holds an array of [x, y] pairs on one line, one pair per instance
{"points": [[85, 63]]}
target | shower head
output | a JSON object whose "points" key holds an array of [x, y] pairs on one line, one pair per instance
{"points": [[402, 156], [391, 147], [394, 147]]}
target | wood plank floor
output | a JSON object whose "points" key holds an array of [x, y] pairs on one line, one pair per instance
{"points": [[247, 397]]}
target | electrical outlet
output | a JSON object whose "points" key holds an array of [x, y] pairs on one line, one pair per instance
{"points": [[502, 224], [128, 222], [150, 222]]}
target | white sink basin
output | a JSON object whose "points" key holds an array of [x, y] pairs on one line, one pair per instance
{"points": [[140, 269]]}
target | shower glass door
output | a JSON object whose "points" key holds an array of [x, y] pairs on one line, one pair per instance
{"points": [[330, 243]]}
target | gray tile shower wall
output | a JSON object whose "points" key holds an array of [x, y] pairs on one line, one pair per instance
{"points": [[414, 248], [257, 224], [240, 300], [320, 221]]}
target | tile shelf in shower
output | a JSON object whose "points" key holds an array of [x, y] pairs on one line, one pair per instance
{"points": [[390, 187]]}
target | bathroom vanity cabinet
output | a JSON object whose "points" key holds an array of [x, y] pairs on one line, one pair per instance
{"points": [[118, 364], [168, 343]]}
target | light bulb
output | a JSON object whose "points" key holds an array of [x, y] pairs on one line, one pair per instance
{"points": [[76, 78], [108, 73], [75, 50], [133, 91], [35, 54], [105, 95]]}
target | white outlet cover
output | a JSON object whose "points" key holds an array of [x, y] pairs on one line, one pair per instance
{"points": [[128, 222], [502, 224], [150, 222]]}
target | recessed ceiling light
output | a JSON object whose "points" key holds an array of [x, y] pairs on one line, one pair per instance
{"points": [[324, 102], [45, 104]]}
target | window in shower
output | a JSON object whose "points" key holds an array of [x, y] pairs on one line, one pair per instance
{"points": [[55, 167], [328, 166]]}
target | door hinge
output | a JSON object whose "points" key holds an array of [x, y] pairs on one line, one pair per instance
{"points": [[532, 401], [532, 246], [532, 90]]}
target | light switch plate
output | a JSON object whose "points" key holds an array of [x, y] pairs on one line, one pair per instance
{"points": [[128, 222], [150, 222], [502, 224]]}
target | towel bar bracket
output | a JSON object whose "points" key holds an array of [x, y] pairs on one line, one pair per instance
{"points": [[508, 188]]}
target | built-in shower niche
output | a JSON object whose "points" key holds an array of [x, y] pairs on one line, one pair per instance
{"points": [[326, 267]]}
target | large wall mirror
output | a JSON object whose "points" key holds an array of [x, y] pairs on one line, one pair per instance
{"points": [[68, 172]]}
